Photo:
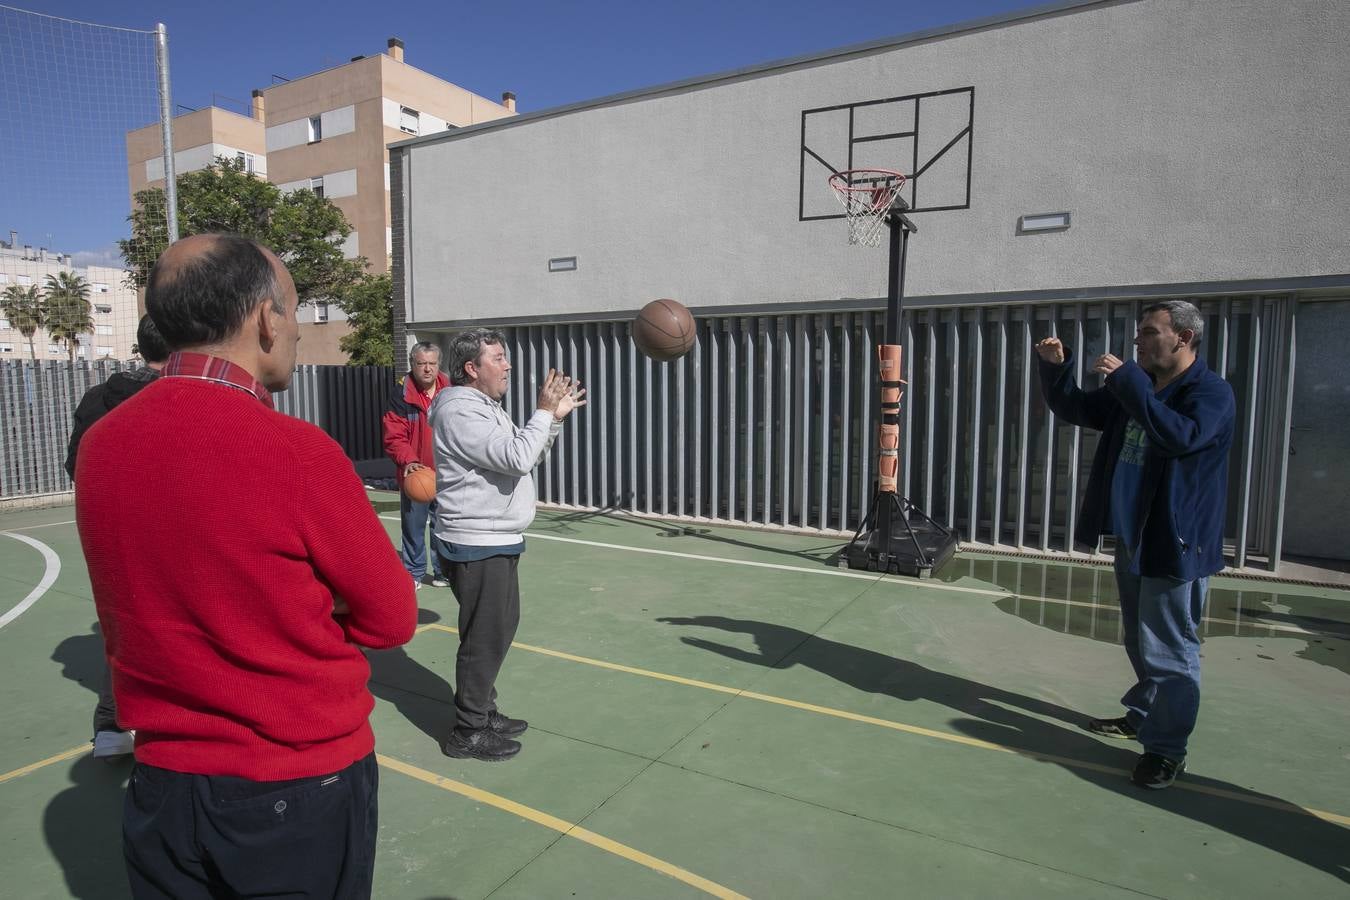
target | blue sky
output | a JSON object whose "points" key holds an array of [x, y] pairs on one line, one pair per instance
{"points": [[548, 54]]}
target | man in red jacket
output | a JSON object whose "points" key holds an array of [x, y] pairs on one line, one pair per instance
{"points": [[407, 441], [237, 568]]}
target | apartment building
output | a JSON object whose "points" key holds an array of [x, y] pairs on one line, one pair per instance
{"points": [[113, 305], [327, 132], [199, 137]]}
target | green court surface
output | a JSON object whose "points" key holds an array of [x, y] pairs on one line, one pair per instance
{"points": [[724, 712]]}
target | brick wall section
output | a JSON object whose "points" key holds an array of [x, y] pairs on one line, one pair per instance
{"points": [[398, 273]]}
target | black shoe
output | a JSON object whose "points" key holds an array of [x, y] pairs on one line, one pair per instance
{"points": [[1113, 728], [1155, 771], [505, 725], [483, 743]]}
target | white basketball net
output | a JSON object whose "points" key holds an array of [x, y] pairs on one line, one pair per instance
{"points": [[866, 196]]}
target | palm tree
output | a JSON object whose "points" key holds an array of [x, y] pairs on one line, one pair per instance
{"points": [[23, 308], [67, 309]]}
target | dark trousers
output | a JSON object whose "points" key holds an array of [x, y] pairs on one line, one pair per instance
{"points": [[209, 836], [488, 593], [105, 713]]}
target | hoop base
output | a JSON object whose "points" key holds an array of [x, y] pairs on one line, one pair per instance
{"points": [[917, 546]]}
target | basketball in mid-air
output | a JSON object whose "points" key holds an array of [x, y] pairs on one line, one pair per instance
{"points": [[420, 484], [664, 330]]}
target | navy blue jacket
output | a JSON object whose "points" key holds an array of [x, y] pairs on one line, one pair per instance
{"points": [[1184, 486]]}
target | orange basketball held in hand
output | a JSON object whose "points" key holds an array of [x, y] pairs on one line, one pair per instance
{"points": [[420, 484], [664, 330]]}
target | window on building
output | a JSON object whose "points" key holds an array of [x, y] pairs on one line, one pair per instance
{"points": [[4, 325], [104, 308], [81, 350], [408, 120], [246, 160], [53, 349], [103, 329], [103, 351], [25, 279], [6, 348], [315, 128], [321, 312], [99, 287], [3, 278], [316, 185]]}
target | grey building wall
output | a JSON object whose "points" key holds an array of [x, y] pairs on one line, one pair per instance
{"points": [[1192, 142]]}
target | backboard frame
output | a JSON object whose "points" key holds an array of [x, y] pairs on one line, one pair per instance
{"points": [[813, 164]]}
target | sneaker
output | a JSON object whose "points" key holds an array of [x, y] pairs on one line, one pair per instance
{"points": [[112, 744], [482, 743], [505, 725], [1155, 771], [1113, 728], [417, 585], [439, 581]]}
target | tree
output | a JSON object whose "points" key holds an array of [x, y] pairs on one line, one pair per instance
{"points": [[369, 305], [23, 309], [307, 231], [66, 309]]}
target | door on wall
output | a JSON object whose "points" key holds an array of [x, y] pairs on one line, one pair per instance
{"points": [[1318, 491]]}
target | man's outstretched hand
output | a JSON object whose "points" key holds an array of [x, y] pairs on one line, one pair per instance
{"points": [[1051, 350], [560, 395]]}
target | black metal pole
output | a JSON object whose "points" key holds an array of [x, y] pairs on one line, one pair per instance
{"points": [[895, 292]]}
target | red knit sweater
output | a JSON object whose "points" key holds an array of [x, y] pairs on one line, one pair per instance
{"points": [[217, 533]]}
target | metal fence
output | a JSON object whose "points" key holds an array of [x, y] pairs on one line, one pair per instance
{"points": [[771, 419], [38, 401]]}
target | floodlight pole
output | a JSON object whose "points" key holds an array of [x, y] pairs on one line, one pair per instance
{"points": [[166, 129], [895, 535]]}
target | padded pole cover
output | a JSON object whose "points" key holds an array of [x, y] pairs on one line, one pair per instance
{"points": [[888, 435]]}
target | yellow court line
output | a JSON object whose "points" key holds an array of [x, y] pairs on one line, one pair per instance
{"points": [[43, 763], [570, 829], [918, 730], [562, 826]]}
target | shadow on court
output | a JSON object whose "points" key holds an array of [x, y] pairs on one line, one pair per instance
{"points": [[420, 695], [614, 516], [83, 828], [985, 715], [81, 658]]}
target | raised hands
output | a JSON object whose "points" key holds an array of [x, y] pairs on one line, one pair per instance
{"points": [[1051, 350], [560, 395]]}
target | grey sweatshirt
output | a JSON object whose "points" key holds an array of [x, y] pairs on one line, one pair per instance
{"points": [[484, 486]]}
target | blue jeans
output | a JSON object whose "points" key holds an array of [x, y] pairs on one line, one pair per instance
{"points": [[1161, 623], [414, 516]]}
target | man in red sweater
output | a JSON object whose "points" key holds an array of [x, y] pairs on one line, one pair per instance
{"points": [[237, 568], [407, 441]]}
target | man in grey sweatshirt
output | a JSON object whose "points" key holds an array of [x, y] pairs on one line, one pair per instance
{"points": [[484, 502]]}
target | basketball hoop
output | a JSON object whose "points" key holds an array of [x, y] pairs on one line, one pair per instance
{"points": [[866, 196]]}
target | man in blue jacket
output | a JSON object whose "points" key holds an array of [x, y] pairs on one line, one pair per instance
{"points": [[1159, 484]]}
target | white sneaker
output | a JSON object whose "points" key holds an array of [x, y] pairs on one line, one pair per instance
{"points": [[108, 744], [439, 581], [417, 585]]}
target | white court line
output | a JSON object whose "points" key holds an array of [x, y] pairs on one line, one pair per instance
{"points": [[922, 585], [48, 577], [31, 527], [834, 573]]}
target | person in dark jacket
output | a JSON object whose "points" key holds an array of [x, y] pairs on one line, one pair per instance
{"points": [[407, 441], [110, 741], [1159, 484]]}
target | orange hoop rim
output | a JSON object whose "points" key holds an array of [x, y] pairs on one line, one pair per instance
{"points": [[880, 179]]}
